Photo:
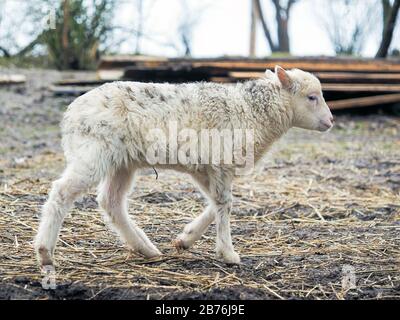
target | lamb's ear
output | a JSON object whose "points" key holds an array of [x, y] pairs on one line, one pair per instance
{"points": [[269, 74], [284, 78]]}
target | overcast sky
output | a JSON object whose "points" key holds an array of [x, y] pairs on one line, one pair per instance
{"points": [[223, 27]]}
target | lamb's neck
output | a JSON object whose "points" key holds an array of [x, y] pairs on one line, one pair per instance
{"points": [[271, 113]]}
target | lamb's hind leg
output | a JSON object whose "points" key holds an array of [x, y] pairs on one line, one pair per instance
{"points": [[62, 195], [113, 200]]}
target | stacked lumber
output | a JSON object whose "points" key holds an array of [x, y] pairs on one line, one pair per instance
{"points": [[347, 82]]}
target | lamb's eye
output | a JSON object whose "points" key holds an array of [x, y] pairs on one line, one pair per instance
{"points": [[312, 97]]}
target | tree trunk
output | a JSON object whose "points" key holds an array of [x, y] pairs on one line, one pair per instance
{"points": [[253, 29], [282, 19], [388, 31], [386, 9], [283, 35], [65, 34]]}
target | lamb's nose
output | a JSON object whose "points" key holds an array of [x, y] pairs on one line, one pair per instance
{"points": [[332, 119]]}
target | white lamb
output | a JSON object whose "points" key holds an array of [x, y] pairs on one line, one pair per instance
{"points": [[105, 142]]}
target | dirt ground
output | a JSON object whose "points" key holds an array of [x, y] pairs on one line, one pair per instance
{"points": [[321, 205]]}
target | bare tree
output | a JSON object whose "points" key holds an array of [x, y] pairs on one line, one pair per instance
{"points": [[282, 16], [348, 23], [190, 18], [142, 14], [141, 31], [79, 32], [389, 14]]}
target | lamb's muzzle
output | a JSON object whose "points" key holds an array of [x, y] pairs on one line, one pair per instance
{"points": [[105, 137]]}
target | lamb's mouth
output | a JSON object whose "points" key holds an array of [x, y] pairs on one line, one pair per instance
{"points": [[324, 126]]}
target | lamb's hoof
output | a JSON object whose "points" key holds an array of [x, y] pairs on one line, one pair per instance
{"points": [[150, 253], [180, 245], [47, 269], [229, 257]]}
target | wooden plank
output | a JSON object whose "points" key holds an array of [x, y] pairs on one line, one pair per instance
{"points": [[71, 90], [12, 78], [110, 74], [333, 77], [364, 102], [307, 66], [307, 63], [357, 87], [245, 75], [353, 75], [121, 61], [79, 82], [223, 80]]}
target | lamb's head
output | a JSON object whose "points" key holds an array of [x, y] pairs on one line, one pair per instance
{"points": [[310, 110]]}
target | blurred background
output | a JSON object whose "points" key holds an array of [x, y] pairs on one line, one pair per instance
{"points": [[73, 34]]}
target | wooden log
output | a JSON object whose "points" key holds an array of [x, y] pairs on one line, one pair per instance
{"points": [[359, 77], [364, 101], [110, 74], [70, 90], [79, 82], [12, 78], [359, 87], [304, 65], [122, 61], [310, 64], [333, 77], [246, 75]]}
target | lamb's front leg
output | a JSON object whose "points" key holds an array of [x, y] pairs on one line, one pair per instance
{"points": [[224, 247], [222, 196]]}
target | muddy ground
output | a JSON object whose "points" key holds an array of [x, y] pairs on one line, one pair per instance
{"points": [[321, 205]]}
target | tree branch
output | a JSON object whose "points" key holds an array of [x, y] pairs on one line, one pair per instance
{"points": [[264, 25], [39, 39], [289, 6], [6, 53]]}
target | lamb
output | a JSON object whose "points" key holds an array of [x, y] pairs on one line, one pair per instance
{"points": [[105, 141]]}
